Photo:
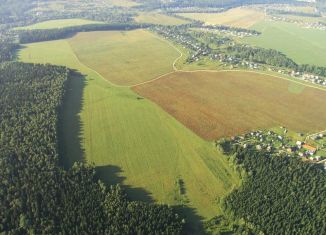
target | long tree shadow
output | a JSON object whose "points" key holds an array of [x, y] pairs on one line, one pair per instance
{"points": [[111, 175], [70, 126], [71, 151]]}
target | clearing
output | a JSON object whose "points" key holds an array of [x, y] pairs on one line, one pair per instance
{"points": [[55, 24], [221, 104], [157, 18], [134, 142], [124, 57], [236, 17], [304, 46]]}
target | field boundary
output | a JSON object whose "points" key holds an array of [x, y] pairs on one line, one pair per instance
{"points": [[175, 69]]}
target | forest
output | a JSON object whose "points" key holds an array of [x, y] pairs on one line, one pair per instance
{"points": [[38, 35], [36, 194], [7, 51], [280, 195]]}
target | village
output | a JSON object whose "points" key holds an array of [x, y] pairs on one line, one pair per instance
{"points": [[308, 25], [279, 141], [216, 47]]}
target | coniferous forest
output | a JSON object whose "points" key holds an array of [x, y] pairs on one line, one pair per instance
{"points": [[280, 195], [36, 194]]}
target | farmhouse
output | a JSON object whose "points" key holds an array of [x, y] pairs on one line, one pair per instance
{"points": [[309, 148]]}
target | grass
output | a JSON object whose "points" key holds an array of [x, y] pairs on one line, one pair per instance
{"points": [[123, 3], [236, 17], [124, 57], [134, 142], [53, 24], [157, 18], [304, 46], [221, 104]]}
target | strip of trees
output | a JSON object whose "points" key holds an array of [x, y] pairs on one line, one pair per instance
{"points": [[36, 195], [279, 195], [274, 58], [29, 36]]}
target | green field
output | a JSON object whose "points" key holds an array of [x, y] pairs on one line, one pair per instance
{"points": [[134, 142], [54, 24], [304, 46], [157, 18], [124, 57]]}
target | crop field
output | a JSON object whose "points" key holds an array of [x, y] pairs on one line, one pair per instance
{"points": [[134, 142], [216, 105], [52, 24], [123, 3], [157, 18], [236, 17], [124, 57], [304, 46]]}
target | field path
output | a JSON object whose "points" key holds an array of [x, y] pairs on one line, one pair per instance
{"points": [[175, 69], [216, 71]]}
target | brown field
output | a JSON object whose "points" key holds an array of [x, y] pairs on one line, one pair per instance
{"points": [[216, 105], [236, 17]]}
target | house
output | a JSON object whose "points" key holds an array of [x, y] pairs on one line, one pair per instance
{"points": [[309, 148]]}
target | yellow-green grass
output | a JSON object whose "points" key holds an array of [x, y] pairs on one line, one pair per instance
{"points": [[146, 147], [62, 23], [304, 46], [236, 17], [123, 3], [157, 18], [124, 57]]}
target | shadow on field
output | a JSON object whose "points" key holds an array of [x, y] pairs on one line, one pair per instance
{"points": [[194, 223], [70, 127], [112, 175]]}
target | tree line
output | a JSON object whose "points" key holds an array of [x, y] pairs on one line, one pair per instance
{"points": [[279, 195], [36, 194], [274, 58], [29, 36]]}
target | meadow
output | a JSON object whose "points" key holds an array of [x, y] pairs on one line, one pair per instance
{"points": [[134, 142], [236, 17], [304, 46], [62, 23], [221, 104], [157, 18], [124, 57], [123, 3]]}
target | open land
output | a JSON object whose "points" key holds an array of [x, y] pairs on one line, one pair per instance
{"points": [[123, 3], [222, 104], [157, 18], [53, 24], [236, 17], [124, 57], [304, 46], [134, 142]]}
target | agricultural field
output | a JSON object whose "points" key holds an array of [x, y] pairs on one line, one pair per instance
{"points": [[123, 3], [134, 142], [157, 18], [53, 24], [222, 104], [304, 46], [236, 17], [124, 58]]}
